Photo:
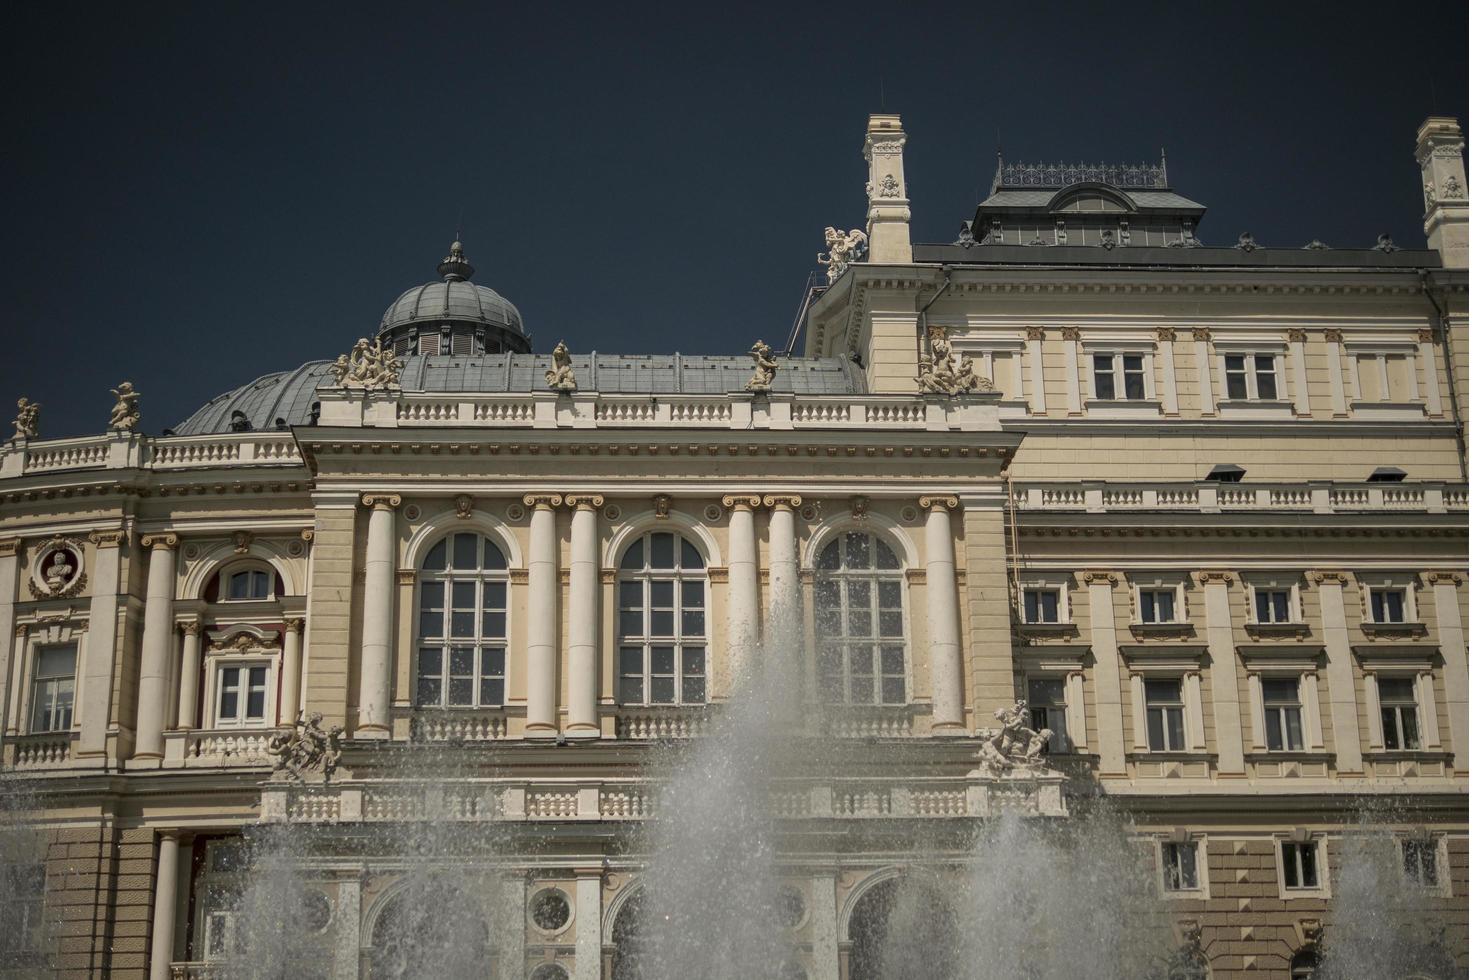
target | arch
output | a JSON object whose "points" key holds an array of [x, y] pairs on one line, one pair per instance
{"points": [[626, 932], [1106, 191], [444, 944], [222, 555], [648, 520], [427, 534], [874, 906], [614, 907], [884, 527]]}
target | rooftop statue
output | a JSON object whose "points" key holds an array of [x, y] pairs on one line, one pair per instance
{"points": [[1014, 747], [842, 249], [765, 367], [560, 377], [368, 366], [27, 419], [125, 414], [943, 373], [304, 747]]}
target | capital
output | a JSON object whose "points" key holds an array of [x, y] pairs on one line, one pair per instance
{"points": [[1328, 578], [542, 500], [788, 501], [1223, 578], [1035, 333], [1167, 335], [190, 628], [1296, 335], [1443, 578], [1332, 336], [1070, 333], [940, 502], [295, 624], [165, 542], [107, 539], [1201, 335], [1425, 335], [585, 501], [382, 501], [742, 501], [9, 547], [1098, 578]]}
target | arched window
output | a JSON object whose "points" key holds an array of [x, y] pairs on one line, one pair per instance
{"points": [[897, 923], [662, 632], [462, 593], [249, 584], [1303, 965], [862, 655], [431, 928]]}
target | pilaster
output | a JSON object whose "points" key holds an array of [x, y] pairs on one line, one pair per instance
{"points": [[1340, 680], [1224, 672], [1107, 672]]}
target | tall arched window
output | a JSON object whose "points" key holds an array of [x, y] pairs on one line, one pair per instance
{"points": [[462, 591], [662, 632], [862, 652]]}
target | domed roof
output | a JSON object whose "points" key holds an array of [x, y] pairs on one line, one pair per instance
{"points": [[452, 297]]}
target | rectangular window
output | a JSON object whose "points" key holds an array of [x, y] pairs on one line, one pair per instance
{"points": [[1282, 714], [1389, 605], [1165, 715], [1250, 377], [1420, 862], [241, 696], [1299, 865], [1105, 380], [1119, 376], [1047, 697], [1399, 703], [54, 689], [1157, 605], [1181, 867], [1273, 606], [1042, 605], [1236, 379], [22, 901]]}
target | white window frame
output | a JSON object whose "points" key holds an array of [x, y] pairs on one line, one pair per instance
{"points": [[1200, 845], [1292, 587], [1157, 662], [482, 645], [1443, 887], [39, 636], [226, 649], [235, 568], [1250, 351], [1377, 735], [1410, 603], [1283, 662], [34, 682], [645, 641], [1063, 600], [873, 575], [244, 663], [1298, 705], [1116, 350], [1322, 888], [1180, 600]]}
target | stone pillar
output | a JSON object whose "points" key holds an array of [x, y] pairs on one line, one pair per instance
{"points": [[290, 704], [543, 620], [374, 694], [742, 604], [888, 240], [1166, 337], [158, 647], [189, 678], [1440, 154], [9, 567], [1219, 629], [347, 924], [784, 618], [1455, 657], [95, 684], [945, 657], [588, 925], [1107, 672], [584, 623], [1201, 338], [1333, 372], [1035, 338], [165, 905], [825, 963], [1300, 391], [1340, 682]]}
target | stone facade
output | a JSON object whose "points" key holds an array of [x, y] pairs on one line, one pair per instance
{"points": [[1242, 665]]}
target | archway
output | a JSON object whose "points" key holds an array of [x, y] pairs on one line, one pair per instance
{"points": [[899, 923], [430, 929]]}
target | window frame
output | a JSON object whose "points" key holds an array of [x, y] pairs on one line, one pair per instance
{"points": [[228, 573], [1322, 886], [1298, 704], [34, 681], [1250, 371], [1181, 707], [1437, 845], [1179, 599], [647, 641], [483, 645], [1198, 843], [245, 664], [1061, 741], [875, 641], [1063, 602], [1397, 706], [1292, 589], [1117, 373]]}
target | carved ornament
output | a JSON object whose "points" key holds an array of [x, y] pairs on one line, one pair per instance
{"points": [[308, 534], [1099, 578], [243, 642], [125, 412], [718, 574], [165, 540], [56, 570], [1205, 578], [940, 502], [859, 504], [842, 249], [889, 146], [585, 501], [916, 576], [608, 576], [1296, 335], [560, 377], [9, 547], [464, 506], [1167, 335], [546, 500], [748, 501], [383, 501], [407, 576], [1425, 336], [191, 628], [106, 539], [942, 373], [519, 576], [1201, 335], [1328, 578], [1331, 336], [1013, 747], [1443, 578], [369, 366], [788, 501], [243, 540], [662, 505], [1070, 333]]}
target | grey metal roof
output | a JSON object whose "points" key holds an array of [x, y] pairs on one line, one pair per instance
{"points": [[1009, 198], [289, 395], [455, 299]]}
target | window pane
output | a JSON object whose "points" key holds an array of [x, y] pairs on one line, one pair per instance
{"points": [[830, 557], [890, 595], [56, 662], [494, 557], [661, 594], [693, 690], [1410, 727], [693, 595], [1294, 741], [892, 690], [1032, 606], [1262, 607], [431, 625], [493, 662], [859, 554], [1265, 384], [1308, 865], [492, 691], [632, 558], [630, 689], [461, 661], [662, 690], [239, 585], [630, 660], [859, 593], [693, 661], [463, 595], [430, 690], [662, 550], [1175, 729], [693, 622], [1164, 601], [494, 595], [660, 623], [434, 560], [859, 623], [1047, 691], [1279, 690], [886, 559], [1163, 691], [661, 660], [229, 704], [630, 595], [1390, 737], [1274, 739], [255, 705], [890, 624], [461, 625], [1102, 372], [461, 691], [689, 556], [431, 595], [430, 661], [892, 660], [466, 551], [1155, 729], [492, 624], [630, 623], [828, 594]]}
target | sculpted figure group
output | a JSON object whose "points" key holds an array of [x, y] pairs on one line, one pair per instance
{"points": [[304, 747], [942, 373], [1014, 746], [560, 377], [368, 366], [27, 419], [842, 249], [125, 413]]}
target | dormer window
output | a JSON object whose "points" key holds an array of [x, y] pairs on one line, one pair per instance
{"points": [[1386, 474], [1226, 473]]}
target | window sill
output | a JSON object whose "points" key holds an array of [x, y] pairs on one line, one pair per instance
{"points": [[1388, 411], [1187, 755], [1255, 409], [1408, 755], [1047, 629], [1143, 630], [1289, 755], [1124, 408], [1395, 629], [1278, 629]]}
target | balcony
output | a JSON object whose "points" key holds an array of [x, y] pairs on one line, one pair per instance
{"points": [[229, 748], [39, 752]]}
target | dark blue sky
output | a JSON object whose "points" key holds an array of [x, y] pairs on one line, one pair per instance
{"points": [[198, 194]]}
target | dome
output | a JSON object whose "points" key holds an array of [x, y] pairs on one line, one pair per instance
{"points": [[453, 306]]}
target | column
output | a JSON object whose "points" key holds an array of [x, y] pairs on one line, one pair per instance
{"points": [[1107, 671], [742, 604], [585, 625], [95, 687], [347, 924], [1166, 336], [1299, 390], [1339, 680], [1455, 657], [15, 673], [189, 678], [290, 705], [1076, 708], [1311, 708], [784, 621], [9, 565], [945, 663], [1071, 337], [1219, 630], [158, 633], [543, 620], [588, 924], [1201, 338], [1333, 371], [1034, 338], [165, 905], [825, 961], [374, 693]]}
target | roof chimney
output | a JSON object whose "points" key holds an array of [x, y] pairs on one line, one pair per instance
{"points": [[887, 192], [1445, 194]]}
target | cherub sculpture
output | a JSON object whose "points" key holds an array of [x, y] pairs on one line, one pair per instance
{"points": [[560, 377], [765, 367], [842, 249], [369, 365], [1014, 745], [306, 747], [125, 413], [27, 419]]}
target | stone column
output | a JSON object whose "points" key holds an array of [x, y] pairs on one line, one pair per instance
{"points": [[1455, 657], [158, 646], [16, 676], [543, 620], [945, 657], [165, 905], [1107, 671], [588, 924], [1219, 629], [784, 618], [742, 604], [1071, 339], [374, 693], [585, 625], [1340, 682], [189, 678], [290, 704], [9, 566]]}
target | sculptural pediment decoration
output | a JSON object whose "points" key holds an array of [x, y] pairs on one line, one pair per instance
{"points": [[125, 413], [1014, 748], [369, 366], [765, 367], [27, 419], [942, 373], [56, 571], [560, 377], [305, 747], [842, 249]]}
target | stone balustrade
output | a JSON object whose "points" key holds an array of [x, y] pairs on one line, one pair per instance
{"points": [[51, 751], [117, 450], [1098, 497], [227, 748]]}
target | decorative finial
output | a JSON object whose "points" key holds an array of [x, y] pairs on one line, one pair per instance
{"points": [[560, 377], [455, 266], [125, 413], [27, 419]]}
